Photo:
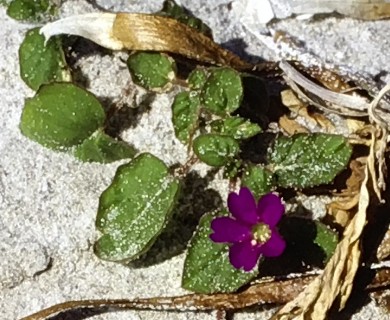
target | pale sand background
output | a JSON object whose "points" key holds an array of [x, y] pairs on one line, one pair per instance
{"points": [[48, 200]]}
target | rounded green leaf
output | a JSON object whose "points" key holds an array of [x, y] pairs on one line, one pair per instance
{"points": [[61, 115], [327, 239], [41, 63], [215, 150], [185, 111], [306, 160], [104, 149], [197, 79], [135, 208], [236, 127], [258, 179], [151, 70], [207, 268], [222, 92], [28, 10]]}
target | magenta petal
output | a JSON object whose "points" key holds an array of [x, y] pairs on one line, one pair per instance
{"points": [[274, 247], [270, 209], [229, 230], [244, 255], [243, 206]]}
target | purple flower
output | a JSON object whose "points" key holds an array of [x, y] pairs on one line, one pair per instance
{"points": [[252, 229]]}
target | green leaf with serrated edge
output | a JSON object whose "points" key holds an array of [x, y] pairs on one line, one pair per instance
{"points": [[306, 160], [185, 111], [257, 179], [135, 208], [61, 115], [215, 150], [42, 63], [207, 268], [28, 10], [197, 78], [222, 92], [151, 70], [102, 148], [171, 9], [327, 239], [236, 127]]}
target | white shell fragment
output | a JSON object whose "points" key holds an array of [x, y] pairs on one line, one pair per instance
{"points": [[96, 27]]}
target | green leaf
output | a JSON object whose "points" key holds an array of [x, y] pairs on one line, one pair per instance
{"points": [[222, 92], [310, 244], [258, 179], [40, 63], [232, 169], [236, 127], [135, 208], [197, 78], [151, 70], [306, 160], [171, 9], [185, 111], [207, 268], [104, 149], [327, 239], [215, 150], [61, 115], [29, 10]]}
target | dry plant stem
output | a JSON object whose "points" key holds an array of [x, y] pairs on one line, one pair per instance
{"points": [[337, 102], [279, 291], [376, 117]]}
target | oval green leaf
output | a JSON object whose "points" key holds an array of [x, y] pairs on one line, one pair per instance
{"points": [[223, 91], [61, 115], [102, 148], [258, 179], [185, 111], [236, 127], [29, 10], [197, 79], [151, 70], [42, 63], [306, 160], [215, 150], [135, 208], [207, 268]]}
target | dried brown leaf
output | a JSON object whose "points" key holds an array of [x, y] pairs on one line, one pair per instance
{"points": [[340, 209], [291, 126], [291, 101], [145, 32]]}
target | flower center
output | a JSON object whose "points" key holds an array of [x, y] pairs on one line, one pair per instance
{"points": [[261, 233]]}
